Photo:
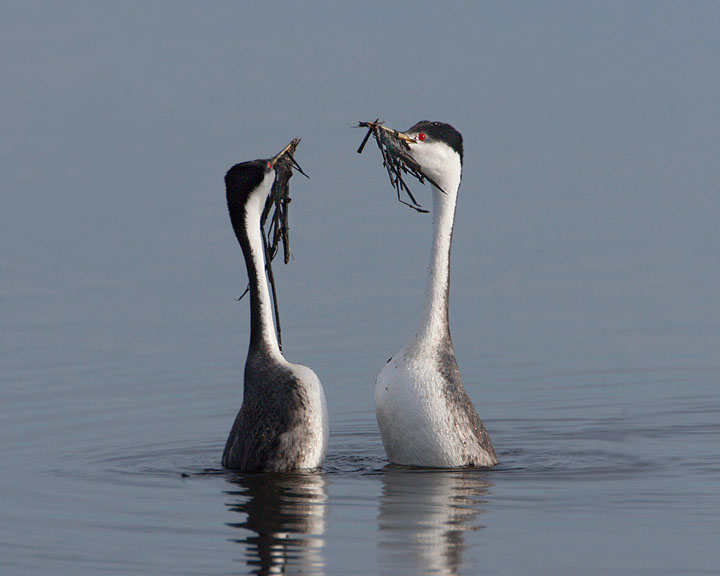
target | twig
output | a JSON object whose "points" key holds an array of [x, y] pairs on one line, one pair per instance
{"points": [[396, 160]]}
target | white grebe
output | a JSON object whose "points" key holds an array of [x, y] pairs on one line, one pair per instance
{"points": [[425, 416], [282, 424]]}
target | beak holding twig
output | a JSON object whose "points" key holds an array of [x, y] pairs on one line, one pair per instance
{"points": [[394, 147], [287, 155], [279, 198], [289, 149]]}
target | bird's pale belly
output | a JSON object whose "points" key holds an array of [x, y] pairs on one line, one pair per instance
{"points": [[415, 423], [316, 433]]}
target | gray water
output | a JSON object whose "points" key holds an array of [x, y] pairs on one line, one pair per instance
{"points": [[584, 307]]}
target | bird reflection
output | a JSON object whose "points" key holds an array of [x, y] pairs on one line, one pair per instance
{"points": [[424, 515], [284, 521]]}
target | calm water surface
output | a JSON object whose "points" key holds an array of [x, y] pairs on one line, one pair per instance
{"points": [[111, 466], [584, 303]]}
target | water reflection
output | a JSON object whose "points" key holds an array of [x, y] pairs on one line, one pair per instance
{"points": [[285, 518], [424, 515]]}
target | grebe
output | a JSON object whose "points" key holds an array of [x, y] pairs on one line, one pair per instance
{"points": [[424, 414], [283, 423]]}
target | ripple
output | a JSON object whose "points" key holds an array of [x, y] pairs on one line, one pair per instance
{"points": [[148, 462]]}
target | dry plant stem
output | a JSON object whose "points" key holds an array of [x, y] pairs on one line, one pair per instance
{"points": [[393, 146]]}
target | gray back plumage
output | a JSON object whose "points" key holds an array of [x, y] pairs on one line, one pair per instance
{"points": [[267, 433], [475, 438]]}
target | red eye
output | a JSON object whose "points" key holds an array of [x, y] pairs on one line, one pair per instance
{"points": [[421, 136]]}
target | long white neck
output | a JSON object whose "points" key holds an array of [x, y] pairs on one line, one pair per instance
{"points": [[262, 327], [434, 322]]}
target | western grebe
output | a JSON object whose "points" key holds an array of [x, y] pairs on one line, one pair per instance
{"points": [[423, 411], [283, 423]]}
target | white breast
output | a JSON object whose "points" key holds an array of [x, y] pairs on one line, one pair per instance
{"points": [[317, 416], [415, 424]]}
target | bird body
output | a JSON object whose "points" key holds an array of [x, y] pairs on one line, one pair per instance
{"points": [[424, 413], [282, 424], [283, 430]]}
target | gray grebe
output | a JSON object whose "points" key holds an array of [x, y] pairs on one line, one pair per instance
{"points": [[283, 423]]}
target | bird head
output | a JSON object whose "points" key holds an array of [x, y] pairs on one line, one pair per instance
{"points": [[437, 147]]}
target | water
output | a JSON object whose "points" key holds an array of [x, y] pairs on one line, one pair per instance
{"points": [[114, 468], [584, 308]]}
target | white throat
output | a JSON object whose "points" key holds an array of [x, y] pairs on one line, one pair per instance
{"points": [[434, 319], [260, 304]]}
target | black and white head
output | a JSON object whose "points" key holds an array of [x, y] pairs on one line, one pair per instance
{"points": [[247, 179], [436, 146], [248, 184]]}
